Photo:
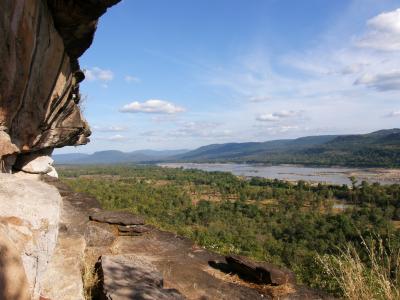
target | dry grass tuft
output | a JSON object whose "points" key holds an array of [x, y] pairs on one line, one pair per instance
{"points": [[378, 277], [89, 276]]}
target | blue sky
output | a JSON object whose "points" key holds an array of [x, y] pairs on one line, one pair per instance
{"points": [[184, 73]]}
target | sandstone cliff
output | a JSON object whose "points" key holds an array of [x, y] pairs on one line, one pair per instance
{"points": [[41, 42]]}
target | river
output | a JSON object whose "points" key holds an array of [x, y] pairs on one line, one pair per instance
{"points": [[334, 175]]}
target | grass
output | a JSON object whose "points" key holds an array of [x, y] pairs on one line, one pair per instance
{"points": [[90, 277], [377, 277]]}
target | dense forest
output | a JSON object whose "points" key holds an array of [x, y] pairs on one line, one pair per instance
{"points": [[283, 223]]}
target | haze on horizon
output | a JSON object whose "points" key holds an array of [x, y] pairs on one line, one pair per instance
{"points": [[181, 74]]}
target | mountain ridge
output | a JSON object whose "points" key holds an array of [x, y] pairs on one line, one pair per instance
{"points": [[376, 149]]}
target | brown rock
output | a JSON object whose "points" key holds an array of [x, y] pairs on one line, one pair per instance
{"points": [[260, 272], [117, 217], [39, 79]]}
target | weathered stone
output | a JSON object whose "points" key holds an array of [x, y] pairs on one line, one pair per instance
{"points": [[39, 79], [117, 217], [13, 281], [132, 230], [127, 277], [260, 272], [53, 172], [63, 277], [96, 236], [34, 163], [29, 216]]}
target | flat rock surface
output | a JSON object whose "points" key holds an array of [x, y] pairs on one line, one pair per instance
{"points": [[126, 277], [117, 217], [183, 265]]}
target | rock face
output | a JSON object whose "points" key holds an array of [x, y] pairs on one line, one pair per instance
{"points": [[29, 217], [39, 79], [13, 282]]}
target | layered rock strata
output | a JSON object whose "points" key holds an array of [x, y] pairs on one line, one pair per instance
{"points": [[41, 42]]}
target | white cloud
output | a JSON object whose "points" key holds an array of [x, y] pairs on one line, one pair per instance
{"points": [[277, 116], [267, 118], [203, 129], [394, 114], [117, 138], [383, 33], [192, 129], [113, 138], [132, 79], [154, 106], [109, 128], [382, 82], [96, 73]]}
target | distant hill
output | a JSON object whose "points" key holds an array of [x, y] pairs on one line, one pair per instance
{"points": [[115, 157], [377, 149]]}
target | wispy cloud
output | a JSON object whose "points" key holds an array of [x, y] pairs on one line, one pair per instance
{"points": [[153, 106], [259, 99], [393, 114], [277, 116], [132, 79], [381, 82], [205, 129], [113, 138], [99, 74], [110, 128]]}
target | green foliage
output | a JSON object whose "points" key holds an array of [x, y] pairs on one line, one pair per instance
{"points": [[283, 223], [376, 149]]}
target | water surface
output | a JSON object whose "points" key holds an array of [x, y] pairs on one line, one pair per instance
{"points": [[285, 172]]}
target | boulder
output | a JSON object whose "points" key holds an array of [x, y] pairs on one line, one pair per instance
{"points": [[128, 277], [117, 217], [29, 217], [13, 281], [260, 272], [34, 163]]}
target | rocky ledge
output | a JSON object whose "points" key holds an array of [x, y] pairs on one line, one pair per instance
{"points": [[154, 264], [58, 244]]}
